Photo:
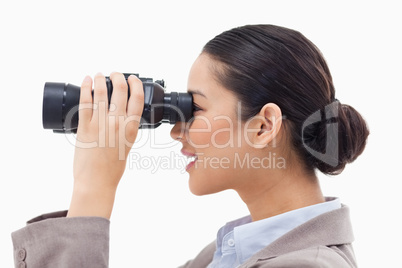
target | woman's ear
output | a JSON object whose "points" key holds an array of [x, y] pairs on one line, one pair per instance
{"points": [[263, 128]]}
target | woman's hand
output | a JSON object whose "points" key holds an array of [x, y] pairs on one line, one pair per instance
{"points": [[104, 139]]}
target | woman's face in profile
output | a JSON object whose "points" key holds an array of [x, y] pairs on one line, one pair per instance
{"points": [[215, 133]]}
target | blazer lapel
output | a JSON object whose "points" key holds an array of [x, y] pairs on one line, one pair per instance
{"points": [[331, 228]]}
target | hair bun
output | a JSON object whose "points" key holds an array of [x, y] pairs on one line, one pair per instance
{"points": [[352, 131]]}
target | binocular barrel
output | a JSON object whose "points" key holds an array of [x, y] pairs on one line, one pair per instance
{"points": [[61, 105]]}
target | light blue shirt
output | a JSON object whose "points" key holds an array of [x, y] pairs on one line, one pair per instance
{"points": [[240, 239]]}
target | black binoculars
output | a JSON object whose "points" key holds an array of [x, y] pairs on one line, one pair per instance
{"points": [[61, 104]]}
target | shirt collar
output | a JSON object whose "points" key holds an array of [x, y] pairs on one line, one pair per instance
{"points": [[247, 237]]}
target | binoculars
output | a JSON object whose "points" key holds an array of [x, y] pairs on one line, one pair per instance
{"points": [[61, 105]]}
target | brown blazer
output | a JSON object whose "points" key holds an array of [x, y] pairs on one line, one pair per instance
{"points": [[51, 240]]}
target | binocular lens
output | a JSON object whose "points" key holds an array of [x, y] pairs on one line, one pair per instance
{"points": [[61, 104]]}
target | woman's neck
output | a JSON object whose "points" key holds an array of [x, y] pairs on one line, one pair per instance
{"points": [[278, 192]]}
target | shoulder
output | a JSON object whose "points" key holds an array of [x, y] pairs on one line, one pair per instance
{"points": [[319, 256], [203, 258], [324, 241]]}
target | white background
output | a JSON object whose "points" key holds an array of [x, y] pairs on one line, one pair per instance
{"points": [[156, 217]]}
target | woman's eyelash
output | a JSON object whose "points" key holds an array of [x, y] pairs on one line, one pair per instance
{"points": [[196, 107]]}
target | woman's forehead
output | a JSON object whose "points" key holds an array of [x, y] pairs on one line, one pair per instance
{"points": [[202, 81]]}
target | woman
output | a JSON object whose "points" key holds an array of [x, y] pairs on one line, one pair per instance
{"points": [[265, 119]]}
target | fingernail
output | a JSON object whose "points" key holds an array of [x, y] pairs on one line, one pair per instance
{"points": [[87, 79]]}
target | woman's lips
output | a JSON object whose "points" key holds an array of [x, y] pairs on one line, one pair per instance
{"points": [[190, 156]]}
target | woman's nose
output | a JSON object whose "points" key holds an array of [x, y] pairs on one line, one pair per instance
{"points": [[178, 131]]}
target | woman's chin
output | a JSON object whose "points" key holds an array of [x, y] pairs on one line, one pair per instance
{"points": [[197, 189], [199, 185]]}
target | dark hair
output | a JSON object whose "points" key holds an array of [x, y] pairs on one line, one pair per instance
{"points": [[267, 63]]}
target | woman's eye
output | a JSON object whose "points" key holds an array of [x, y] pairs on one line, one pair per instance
{"points": [[196, 107]]}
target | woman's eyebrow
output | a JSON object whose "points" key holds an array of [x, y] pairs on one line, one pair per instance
{"points": [[196, 91]]}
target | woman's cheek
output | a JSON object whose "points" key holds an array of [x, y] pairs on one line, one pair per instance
{"points": [[199, 133], [205, 132], [222, 134]]}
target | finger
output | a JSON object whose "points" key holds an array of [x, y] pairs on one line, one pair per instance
{"points": [[135, 105], [100, 94], [119, 95], [85, 106]]}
